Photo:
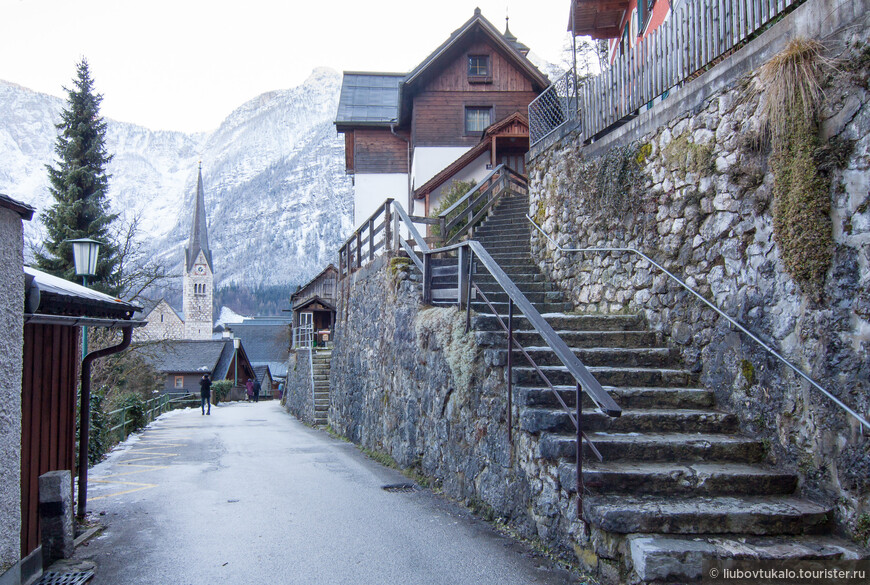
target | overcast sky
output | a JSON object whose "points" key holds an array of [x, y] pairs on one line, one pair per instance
{"points": [[186, 64]]}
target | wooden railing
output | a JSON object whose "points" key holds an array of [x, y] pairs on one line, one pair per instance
{"points": [[695, 35], [381, 234], [460, 219]]}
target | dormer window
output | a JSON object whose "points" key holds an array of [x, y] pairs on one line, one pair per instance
{"points": [[479, 69]]}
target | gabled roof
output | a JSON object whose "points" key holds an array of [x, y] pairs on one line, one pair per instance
{"points": [[189, 357], [448, 50], [265, 340], [329, 268], [382, 99], [164, 302], [369, 98], [314, 299], [260, 371], [600, 19], [507, 126], [199, 230]]}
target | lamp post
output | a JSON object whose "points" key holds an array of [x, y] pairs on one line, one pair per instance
{"points": [[85, 251]]}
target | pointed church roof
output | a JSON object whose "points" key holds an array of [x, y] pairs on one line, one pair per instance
{"points": [[198, 231]]}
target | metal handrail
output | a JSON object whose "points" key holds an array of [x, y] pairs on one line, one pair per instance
{"points": [[697, 295], [575, 367]]}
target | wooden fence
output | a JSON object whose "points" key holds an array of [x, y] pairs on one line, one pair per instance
{"points": [[695, 35]]}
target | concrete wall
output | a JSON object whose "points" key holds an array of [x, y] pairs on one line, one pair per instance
{"points": [[700, 201], [371, 190], [11, 342]]}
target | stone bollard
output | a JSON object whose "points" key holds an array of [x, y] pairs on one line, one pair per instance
{"points": [[56, 516]]}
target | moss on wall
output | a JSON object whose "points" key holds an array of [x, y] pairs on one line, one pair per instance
{"points": [[682, 156]]}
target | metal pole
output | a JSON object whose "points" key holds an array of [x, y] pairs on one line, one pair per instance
{"points": [[579, 452], [510, 366], [84, 328]]}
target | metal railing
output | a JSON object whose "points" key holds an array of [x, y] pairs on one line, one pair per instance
{"points": [[382, 234], [468, 255], [463, 216], [154, 407], [732, 321], [303, 336], [692, 38]]}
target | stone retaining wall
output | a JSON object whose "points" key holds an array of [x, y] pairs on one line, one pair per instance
{"points": [[696, 195], [298, 397]]}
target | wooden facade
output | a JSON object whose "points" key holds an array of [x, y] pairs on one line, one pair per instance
{"points": [[50, 378], [375, 150]]}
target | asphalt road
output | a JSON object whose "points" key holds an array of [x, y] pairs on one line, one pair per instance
{"points": [[249, 495]]}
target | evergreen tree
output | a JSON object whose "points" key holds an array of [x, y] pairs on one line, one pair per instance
{"points": [[79, 183]]}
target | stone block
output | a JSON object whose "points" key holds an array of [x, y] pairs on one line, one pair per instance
{"points": [[56, 516]]}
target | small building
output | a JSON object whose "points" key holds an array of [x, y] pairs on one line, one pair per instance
{"points": [[183, 362], [621, 22], [268, 387], [163, 323], [56, 311], [314, 304]]}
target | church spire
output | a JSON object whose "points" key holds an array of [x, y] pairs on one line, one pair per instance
{"points": [[198, 231]]}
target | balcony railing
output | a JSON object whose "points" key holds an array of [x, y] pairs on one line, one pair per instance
{"points": [[694, 36]]}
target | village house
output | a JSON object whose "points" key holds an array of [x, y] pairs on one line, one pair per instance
{"points": [[403, 129], [183, 362], [267, 343], [313, 305]]}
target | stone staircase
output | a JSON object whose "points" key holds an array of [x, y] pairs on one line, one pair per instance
{"points": [[679, 484], [321, 360]]}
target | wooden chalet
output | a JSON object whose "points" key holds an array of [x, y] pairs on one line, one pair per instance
{"points": [[401, 130], [315, 303]]}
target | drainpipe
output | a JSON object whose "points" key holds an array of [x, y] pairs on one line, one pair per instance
{"points": [[85, 411]]}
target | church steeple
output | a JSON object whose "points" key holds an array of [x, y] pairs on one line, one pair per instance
{"points": [[198, 241]]}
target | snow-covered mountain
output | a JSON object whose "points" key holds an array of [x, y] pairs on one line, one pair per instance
{"points": [[279, 202]]}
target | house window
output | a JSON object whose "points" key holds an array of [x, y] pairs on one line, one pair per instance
{"points": [[644, 12], [477, 119], [179, 381], [479, 69]]}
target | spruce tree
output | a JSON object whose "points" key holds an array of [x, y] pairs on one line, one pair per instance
{"points": [[78, 184]]}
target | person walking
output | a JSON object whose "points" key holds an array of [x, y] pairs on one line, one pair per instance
{"points": [[257, 387], [249, 389], [205, 393]]}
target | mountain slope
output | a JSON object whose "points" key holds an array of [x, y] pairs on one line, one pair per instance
{"points": [[278, 199]]}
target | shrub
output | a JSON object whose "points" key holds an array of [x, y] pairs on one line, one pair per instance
{"points": [[135, 414], [220, 389], [453, 194]]}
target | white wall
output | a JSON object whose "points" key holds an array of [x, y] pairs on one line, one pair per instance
{"points": [[475, 171], [430, 160], [371, 190]]}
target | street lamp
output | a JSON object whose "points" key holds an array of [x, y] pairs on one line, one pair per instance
{"points": [[85, 251]]}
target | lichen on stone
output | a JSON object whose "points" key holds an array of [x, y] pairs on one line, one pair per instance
{"points": [[446, 327]]}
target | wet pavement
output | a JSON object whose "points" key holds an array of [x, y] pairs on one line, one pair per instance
{"points": [[249, 495]]}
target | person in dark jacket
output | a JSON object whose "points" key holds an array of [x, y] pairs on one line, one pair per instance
{"points": [[205, 393], [257, 387]]}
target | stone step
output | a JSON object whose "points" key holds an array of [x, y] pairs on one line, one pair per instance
{"points": [[658, 558], [564, 322], [538, 420], [578, 339], [677, 478], [627, 397], [525, 287], [637, 357], [655, 447], [542, 307], [758, 515], [610, 376]]}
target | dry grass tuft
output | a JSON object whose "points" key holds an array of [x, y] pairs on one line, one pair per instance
{"points": [[791, 82]]}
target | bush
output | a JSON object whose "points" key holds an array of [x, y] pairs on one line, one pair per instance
{"points": [[98, 435], [220, 389], [453, 194], [135, 414]]}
